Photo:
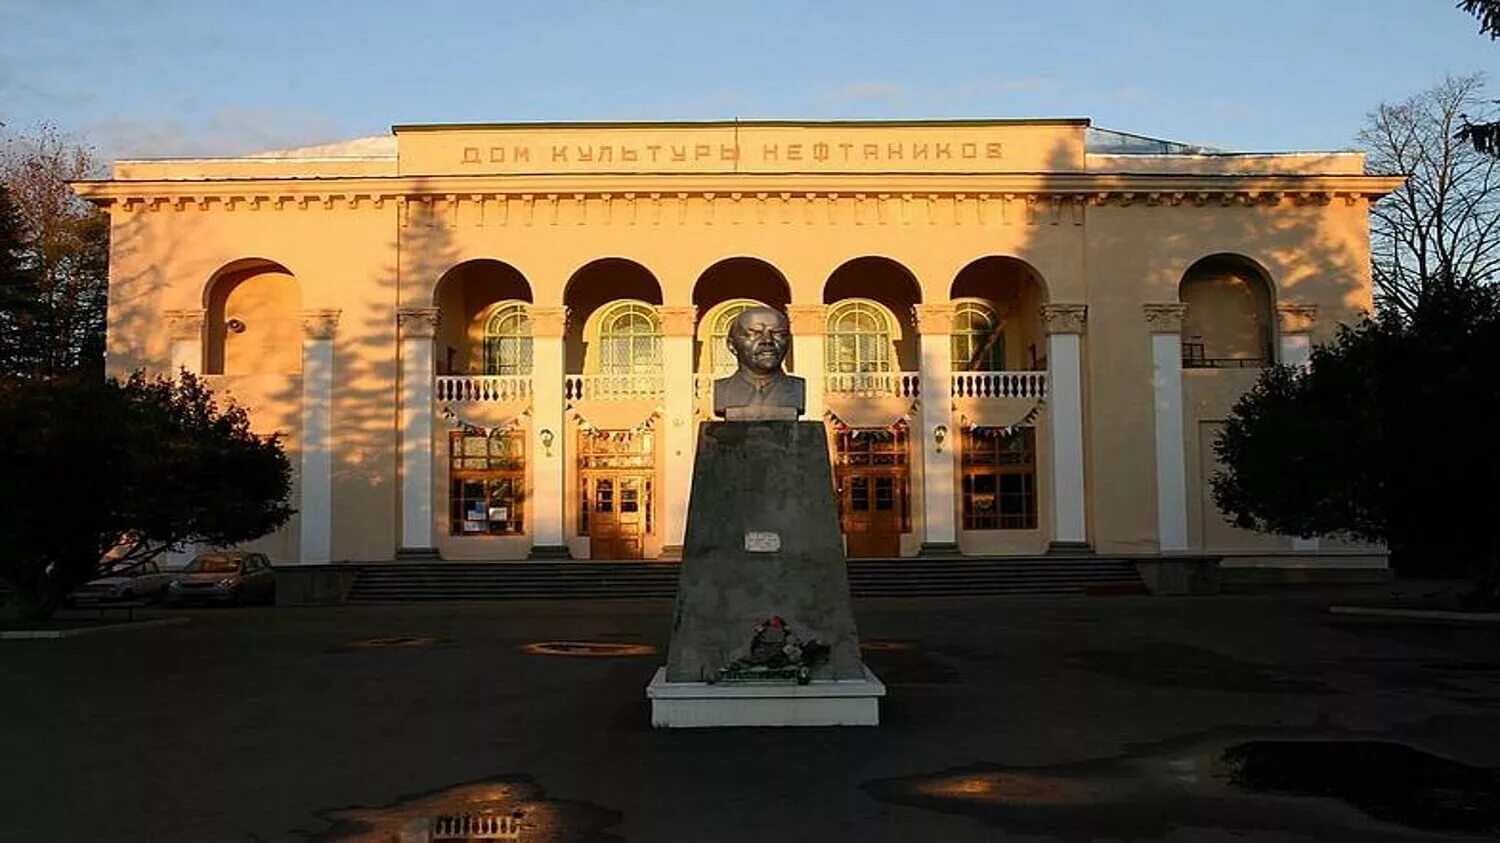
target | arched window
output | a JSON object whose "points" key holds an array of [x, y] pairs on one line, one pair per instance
{"points": [[721, 360], [859, 338], [629, 340], [507, 340], [978, 338]]}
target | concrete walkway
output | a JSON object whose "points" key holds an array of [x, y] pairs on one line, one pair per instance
{"points": [[264, 724]]}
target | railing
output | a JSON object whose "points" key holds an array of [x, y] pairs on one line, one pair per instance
{"points": [[612, 387], [482, 387], [899, 384], [999, 384]]}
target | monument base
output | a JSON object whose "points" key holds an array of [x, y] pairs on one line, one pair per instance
{"points": [[821, 702]]}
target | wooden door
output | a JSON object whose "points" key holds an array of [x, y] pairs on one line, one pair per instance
{"points": [[618, 504], [872, 512]]}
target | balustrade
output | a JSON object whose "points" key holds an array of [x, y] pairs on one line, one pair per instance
{"points": [[874, 384], [482, 388], [613, 387], [1025, 384]]}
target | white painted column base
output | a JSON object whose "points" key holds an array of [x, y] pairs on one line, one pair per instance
{"points": [[829, 702]]}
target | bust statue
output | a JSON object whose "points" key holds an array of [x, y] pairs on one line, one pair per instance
{"points": [[759, 389]]}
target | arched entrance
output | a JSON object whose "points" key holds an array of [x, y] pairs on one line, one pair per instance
{"points": [[870, 354], [614, 394], [997, 334]]}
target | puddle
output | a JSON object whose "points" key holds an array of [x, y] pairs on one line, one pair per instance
{"points": [[1389, 781], [1360, 790], [499, 809], [587, 648]]}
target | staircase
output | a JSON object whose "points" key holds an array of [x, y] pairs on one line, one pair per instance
{"points": [[579, 580]]}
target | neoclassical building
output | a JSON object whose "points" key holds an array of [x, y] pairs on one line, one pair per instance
{"points": [[495, 342]]}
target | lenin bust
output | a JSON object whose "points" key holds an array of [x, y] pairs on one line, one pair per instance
{"points": [[760, 390]]}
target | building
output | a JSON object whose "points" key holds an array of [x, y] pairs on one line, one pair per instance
{"points": [[495, 341]]}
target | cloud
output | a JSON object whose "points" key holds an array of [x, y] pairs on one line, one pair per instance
{"points": [[890, 93]]}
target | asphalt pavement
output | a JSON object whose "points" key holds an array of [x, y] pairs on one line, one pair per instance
{"points": [[1007, 719]]}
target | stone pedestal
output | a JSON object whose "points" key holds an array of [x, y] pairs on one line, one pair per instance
{"points": [[762, 542]]}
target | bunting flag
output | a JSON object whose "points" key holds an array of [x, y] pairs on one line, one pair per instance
{"points": [[587, 428], [471, 429], [1002, 431], [900, 425]]}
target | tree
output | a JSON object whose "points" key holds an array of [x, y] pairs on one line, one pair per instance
{"points": [[1443, 225], [1488, 13], [17, 287], [89, 465], [1385, 437], [55, 319]]}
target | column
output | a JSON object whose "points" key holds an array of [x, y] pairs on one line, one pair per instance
{"points": [[1164, 320], [185, 328], [1295, 329], [1064, 324], [416, 327], [548, 441], [315, 512], [935, 325], [677, 326], [809, 325]]}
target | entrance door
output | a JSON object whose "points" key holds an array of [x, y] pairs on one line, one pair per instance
{"points": [[872, 510], [873, 476], [618, 506]]}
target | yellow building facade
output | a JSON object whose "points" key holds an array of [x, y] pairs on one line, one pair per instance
{"points": [[495, 342]]}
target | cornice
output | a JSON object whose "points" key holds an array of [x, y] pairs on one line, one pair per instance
{"points": [[1063, 189]]}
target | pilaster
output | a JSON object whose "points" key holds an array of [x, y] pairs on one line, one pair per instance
{"points": [[678, 324], [809, 325], [548, 444], [1164, 322], [935, 325], [315, 512], [1065, 324], [416, 328], [185, 331]]}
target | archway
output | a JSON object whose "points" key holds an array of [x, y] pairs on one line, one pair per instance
{"points": [[1229, 323], [997, 319], [485, 326], [894, 289], [253, 320], [721, 293]]}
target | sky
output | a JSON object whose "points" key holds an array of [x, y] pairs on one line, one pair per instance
{"points": [[151, 78]]}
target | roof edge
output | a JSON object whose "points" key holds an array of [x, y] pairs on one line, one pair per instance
{"points": [[669, 124]]}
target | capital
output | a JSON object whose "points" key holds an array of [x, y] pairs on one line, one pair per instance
{"points": [[677, 320], [548, 322], [808, 319], [934, 318], [1064, 318], [320, 324], [1296, 318], [185, 324], [417, 322], [1165, 317]]}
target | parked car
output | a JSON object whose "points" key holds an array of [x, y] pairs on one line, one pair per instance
{"points": [[143, 580], [233, 576]]}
